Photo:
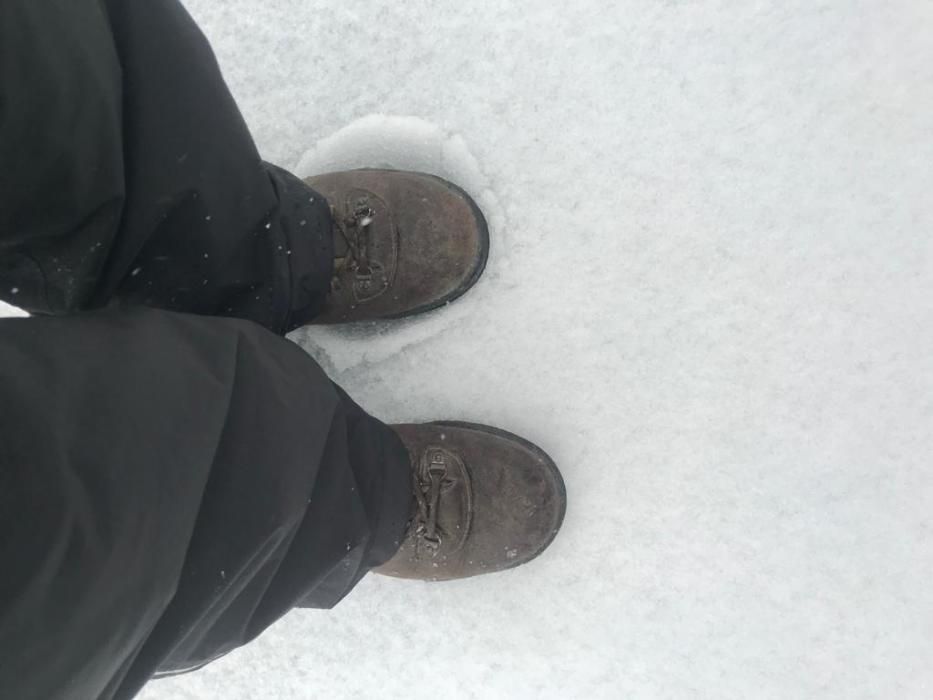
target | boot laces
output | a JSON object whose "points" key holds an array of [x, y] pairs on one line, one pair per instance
{"points": [[354, 227], [429, 483]]}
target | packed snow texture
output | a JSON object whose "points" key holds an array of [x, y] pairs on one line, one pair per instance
{"points": [[7, 310], [709, 297]]}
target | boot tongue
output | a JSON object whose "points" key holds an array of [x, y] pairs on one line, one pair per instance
{"points": [[444, 503], [341, 248], [365, 246]]}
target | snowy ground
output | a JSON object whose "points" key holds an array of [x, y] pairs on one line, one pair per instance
{"points": [[710, 297]]}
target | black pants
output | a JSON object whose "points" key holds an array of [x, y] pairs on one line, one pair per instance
{"points": [[174, 476]]}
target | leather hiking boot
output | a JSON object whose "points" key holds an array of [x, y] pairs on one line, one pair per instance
{"points": [[484, 500], [404, 243]]}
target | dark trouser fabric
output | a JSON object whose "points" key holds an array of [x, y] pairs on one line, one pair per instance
{"points": [[169, 486], [128, 175], [170, 483]]}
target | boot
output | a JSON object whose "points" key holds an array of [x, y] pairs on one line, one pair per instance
{"points": [[404, 243], [484, 500]]}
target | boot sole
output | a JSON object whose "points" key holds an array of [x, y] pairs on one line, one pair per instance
{"points": [[546, 460]]}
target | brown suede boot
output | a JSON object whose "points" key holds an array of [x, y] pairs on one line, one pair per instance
{"points": [[484, 500], [404, 243]]}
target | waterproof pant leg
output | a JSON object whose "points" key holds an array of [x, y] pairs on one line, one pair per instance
{"points": [[128, 175], [170, 485]]}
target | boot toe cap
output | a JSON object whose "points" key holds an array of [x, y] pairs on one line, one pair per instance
{"points": [[443, 247], [519, 503]]}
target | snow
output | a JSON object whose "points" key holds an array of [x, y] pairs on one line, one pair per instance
{"points": [[8, 311], [710, 298]]}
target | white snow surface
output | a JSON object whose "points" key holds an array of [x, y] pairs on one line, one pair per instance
{"points": [[709, 297], [10, 311]]}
